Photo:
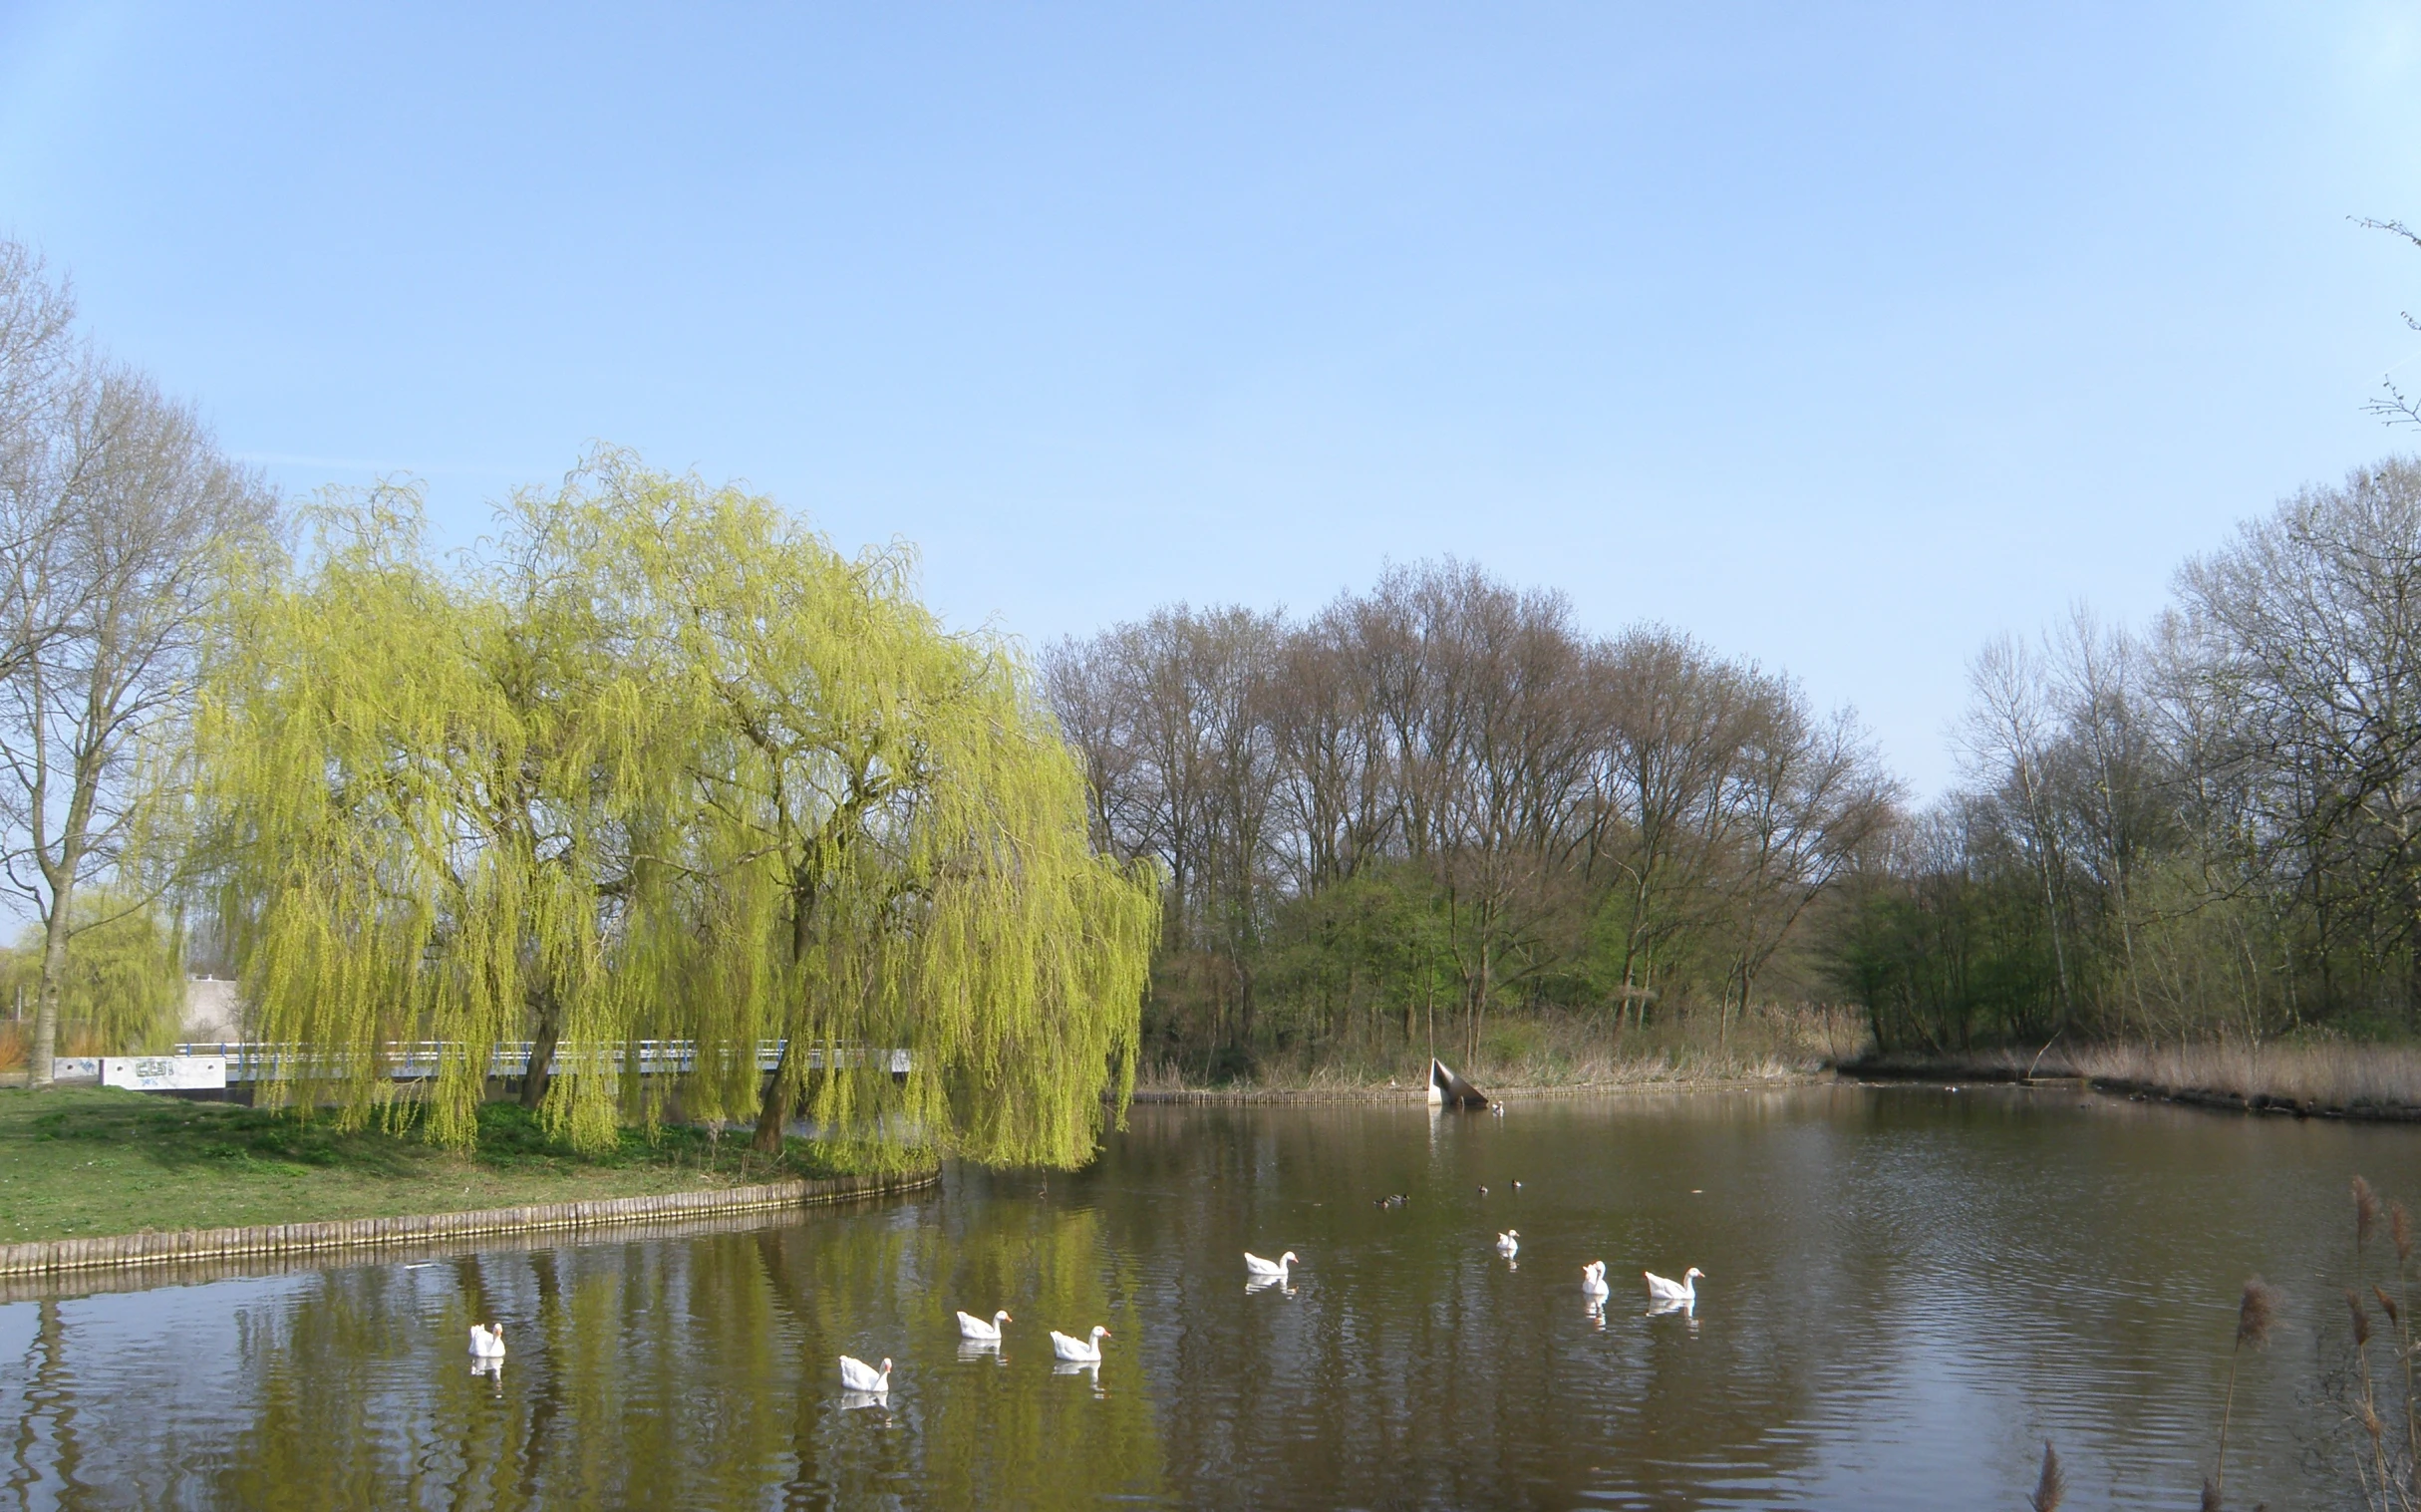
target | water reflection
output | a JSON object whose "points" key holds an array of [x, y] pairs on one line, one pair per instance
{"points": [[1917, 1291]]}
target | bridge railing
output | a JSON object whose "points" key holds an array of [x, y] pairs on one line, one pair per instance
{"points": [[421, 1059]]}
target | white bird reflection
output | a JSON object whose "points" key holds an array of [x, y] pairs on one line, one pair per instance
{"points": [[981, 1349], [1663, 1306], [1091, 1370], [852, 1400], [1593, 1307], [492, 1365], [1259, 1283]]}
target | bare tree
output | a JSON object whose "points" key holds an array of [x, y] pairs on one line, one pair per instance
{"points": [[2311, 623], [2395, 407], [38, 357], [1337, 787], [1813, 797], [1678, 725], [135, 514], [2004, 740]]}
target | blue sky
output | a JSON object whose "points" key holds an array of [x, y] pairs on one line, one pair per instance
{"points": [[1842, 337]]}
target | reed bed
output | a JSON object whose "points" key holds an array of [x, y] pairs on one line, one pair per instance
{"points": [[2333, 1074]]}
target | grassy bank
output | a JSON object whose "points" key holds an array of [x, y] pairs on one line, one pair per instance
{"points": [[2342, 1077], [1566, 1052], [76, 1162]]}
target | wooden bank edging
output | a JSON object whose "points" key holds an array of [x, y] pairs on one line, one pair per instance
{"points": [[47, 1256]]}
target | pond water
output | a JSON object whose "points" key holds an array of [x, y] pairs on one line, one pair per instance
{"points": [[1909, 1291]]}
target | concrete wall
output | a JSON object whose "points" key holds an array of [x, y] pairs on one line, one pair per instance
{"points": [[211, 1011]]}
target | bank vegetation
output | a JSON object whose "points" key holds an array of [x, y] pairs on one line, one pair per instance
{"points": [[2204, 830], [1441, 817]]}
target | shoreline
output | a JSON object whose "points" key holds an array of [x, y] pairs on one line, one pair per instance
{"points": [[1240, 1095], [2004, 1068], [152, 1246]]}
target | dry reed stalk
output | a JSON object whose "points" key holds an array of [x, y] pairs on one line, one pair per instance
{"points": [[2400, 1317], [2052, 1487], [2366, 1409], [2256, 1309]]}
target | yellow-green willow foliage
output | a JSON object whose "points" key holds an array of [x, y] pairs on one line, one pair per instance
{"points": [[413, 781], [886, 848], [668, 766]]}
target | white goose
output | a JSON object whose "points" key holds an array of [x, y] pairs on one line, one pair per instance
{"points": [[1686, 1290], [1509, 1243], [488, 1343], [971, 1327], [1274, 1270], [1593, 1278], [1083, 1352], [858, 1376]]}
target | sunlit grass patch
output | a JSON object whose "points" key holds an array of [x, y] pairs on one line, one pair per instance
{"points": [[79, 1161]]}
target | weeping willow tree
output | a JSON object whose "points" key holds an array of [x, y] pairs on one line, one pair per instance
{"points": [[413, 781], [667, 766], [887, 847]]}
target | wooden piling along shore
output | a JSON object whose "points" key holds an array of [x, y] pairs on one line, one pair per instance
{"points": [[53, 1256]]}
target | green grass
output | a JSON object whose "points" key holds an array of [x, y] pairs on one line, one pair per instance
{"points": [[78, 1161]]}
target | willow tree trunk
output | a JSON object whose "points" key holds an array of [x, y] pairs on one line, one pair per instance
{"points": [[775, 1116], [549, 1030]]}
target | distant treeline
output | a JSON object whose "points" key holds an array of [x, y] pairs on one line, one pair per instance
{"points": [[1441, 801], [2212, 826]]}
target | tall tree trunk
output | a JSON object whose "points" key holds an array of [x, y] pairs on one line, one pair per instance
{"points": [[42, 1069]]}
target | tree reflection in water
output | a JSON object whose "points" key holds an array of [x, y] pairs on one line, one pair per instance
{"points": [[1917, 1290]]}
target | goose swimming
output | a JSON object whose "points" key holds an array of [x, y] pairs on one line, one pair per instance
{"points": [[1274, 1270], [1083, 1352], [971, 1327], [858, 1376], [1509, 1243], [1686, 1290], [488, 1343]]}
